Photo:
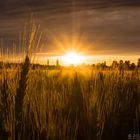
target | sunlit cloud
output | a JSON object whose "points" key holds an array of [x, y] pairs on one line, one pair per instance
{"points": [[90, 27]]}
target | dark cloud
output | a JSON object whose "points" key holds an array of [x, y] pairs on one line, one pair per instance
{"points": [[23, 6]]}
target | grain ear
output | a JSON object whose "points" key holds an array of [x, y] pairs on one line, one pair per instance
{"points": [[20, 93]]}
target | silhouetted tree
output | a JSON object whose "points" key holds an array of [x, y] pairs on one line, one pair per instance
{"points": [[121, 67], [1, 64], [133, 66], [139, 63], [114, 65], [127, 65], [104, 65], [138, 66]]}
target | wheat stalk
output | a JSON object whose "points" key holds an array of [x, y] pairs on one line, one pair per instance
{"points": [[21, 92]]}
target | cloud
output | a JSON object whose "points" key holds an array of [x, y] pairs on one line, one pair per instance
{"points": [[25, 6], [109, 26]]}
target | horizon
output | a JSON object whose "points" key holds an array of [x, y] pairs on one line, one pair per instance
{"points": [[87, 59]]}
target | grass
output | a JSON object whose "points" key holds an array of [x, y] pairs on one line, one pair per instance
{"points": [[69, 105]]}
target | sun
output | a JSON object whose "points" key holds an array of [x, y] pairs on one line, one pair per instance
{"points": [[73, 58]]}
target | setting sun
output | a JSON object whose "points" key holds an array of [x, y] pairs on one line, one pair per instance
{"points": [[73, 58]]}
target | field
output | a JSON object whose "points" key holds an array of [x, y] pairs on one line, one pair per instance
{"points": [[68, 104]]}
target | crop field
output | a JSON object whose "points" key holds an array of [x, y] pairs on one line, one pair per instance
{"points": [[68, 104]]}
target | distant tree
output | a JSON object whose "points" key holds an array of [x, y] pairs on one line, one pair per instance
{"points": [[121, 61], [1, 64], [98, 65], [133, 66], [138, 66], [104, 64], [93, 65], [121, 67], [127, 65], [114, 65], [139, 63]]}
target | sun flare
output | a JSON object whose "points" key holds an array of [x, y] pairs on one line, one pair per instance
{"points": [[73, 58]]}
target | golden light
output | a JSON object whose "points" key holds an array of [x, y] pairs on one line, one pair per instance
{"points": [[73, 58]]}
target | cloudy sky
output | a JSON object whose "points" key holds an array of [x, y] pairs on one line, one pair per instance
{"points": [[98, 26]]}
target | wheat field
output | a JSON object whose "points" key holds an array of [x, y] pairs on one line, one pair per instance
{"points": [[68, 104]]}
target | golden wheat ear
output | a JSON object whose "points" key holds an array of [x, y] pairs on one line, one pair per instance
{"points": [[20, 94]]}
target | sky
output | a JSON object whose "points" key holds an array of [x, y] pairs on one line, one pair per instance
{"points": [[95, 27]]}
